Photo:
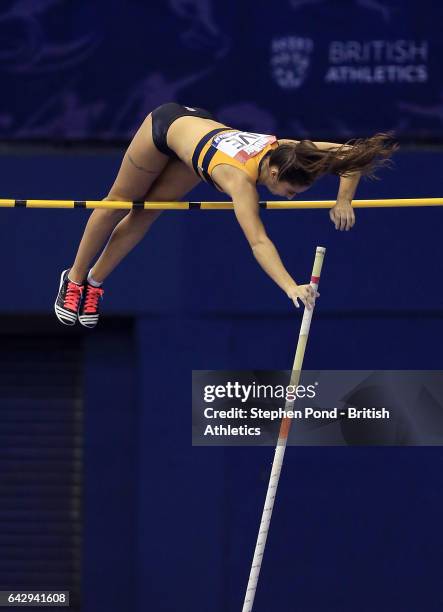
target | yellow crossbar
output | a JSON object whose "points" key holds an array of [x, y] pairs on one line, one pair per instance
{"points": [[271, 204]]}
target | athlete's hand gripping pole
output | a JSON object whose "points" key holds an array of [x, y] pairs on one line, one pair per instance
{"points": [[281, 443]]}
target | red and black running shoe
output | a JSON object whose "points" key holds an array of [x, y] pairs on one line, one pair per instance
{"points": [[89, 309], [68, 300]]}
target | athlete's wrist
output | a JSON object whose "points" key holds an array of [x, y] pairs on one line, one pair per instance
{"points": [[290, 287]]}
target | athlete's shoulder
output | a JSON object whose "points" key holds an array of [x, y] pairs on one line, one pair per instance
{"points": [[230, 178]]}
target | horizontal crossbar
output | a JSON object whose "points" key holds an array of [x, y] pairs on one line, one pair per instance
{"points": [[270, 205]]}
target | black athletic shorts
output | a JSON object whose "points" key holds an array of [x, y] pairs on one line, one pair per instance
{"points": [[165, 115]]}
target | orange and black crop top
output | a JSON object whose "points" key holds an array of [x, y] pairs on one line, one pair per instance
{"points": [[243, 150]]}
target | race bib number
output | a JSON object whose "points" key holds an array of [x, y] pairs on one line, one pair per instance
{"points": [[242, 145]]}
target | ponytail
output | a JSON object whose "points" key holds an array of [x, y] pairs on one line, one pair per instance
{"points": [[303, 162]]}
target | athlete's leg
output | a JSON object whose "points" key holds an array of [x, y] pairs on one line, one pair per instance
{"points": [[174, 183], [141, 165]]}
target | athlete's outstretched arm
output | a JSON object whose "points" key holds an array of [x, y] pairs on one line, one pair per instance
{"points": [[246, 207], [342, 214]]}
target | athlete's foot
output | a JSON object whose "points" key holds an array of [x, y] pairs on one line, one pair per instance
{"points": [[68, 300], [89, 309]]}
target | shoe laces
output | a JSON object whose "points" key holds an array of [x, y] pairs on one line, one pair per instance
{"points": [[92, 296], [73, 295]]}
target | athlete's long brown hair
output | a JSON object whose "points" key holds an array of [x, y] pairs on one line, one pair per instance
{"points": [[302, 163]]}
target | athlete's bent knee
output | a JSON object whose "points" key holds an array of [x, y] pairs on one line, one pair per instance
{"points": [[118, 213]]}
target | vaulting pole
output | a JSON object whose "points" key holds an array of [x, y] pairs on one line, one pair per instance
{"points": [[282, 442]]}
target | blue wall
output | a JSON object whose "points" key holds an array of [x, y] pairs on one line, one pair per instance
{"points": [[353, 528]]}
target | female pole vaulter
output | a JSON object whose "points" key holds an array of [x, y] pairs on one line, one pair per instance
{"points": [[173, 150]]}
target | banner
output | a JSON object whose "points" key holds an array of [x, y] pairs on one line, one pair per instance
{"points": [[299, 68]]}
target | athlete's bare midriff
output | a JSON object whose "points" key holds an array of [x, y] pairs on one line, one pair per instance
{"points": [[185, 134]]}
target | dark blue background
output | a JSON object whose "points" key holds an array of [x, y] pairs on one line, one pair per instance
{"points": [[171, 527]]}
